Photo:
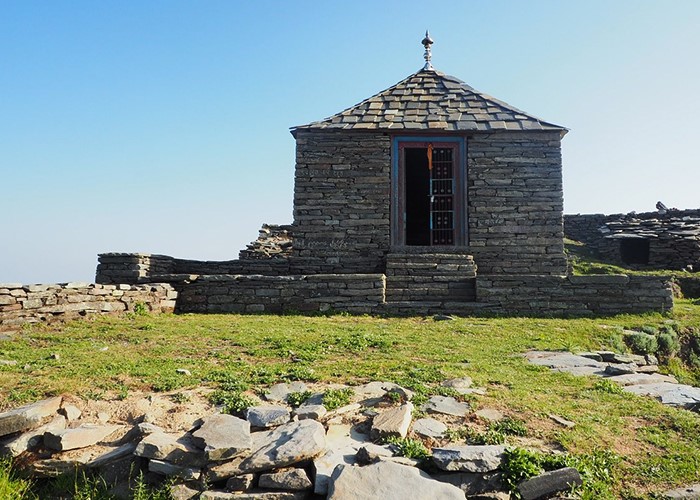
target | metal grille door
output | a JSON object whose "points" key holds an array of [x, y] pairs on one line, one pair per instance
{"points": [[442, 188]]}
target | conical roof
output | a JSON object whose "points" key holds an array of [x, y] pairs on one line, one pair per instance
{"points": [[431, 100]]}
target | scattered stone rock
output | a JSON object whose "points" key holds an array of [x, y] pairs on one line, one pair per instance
{"points": [[71, 412], [54, 467], [562, 421], [26, 441], [461, 385], [288, 444], [103, 417], [642, 378], [223, 437], [429, 427], [469, 458], [342, 445], [548, 483], [112, 455], [171, 470], [566, 362], [596, 356], [183, 492], [628, 359], [473, 484], [281, 495], [244, 482], [7, 362], [388, 481], [442, 317], [685, 493], [28, 416], [490, 414], [392, 422], [371, 453], [221, 471], [681, 395], [314, 412], [55, 356], [183, 371], [290, 480], [621, 369], [80, 437], [174, 449], [373, 393], [280, 392], [447, 406], [267, 416]]}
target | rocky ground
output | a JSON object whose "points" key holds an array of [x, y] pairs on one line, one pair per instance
{"points": [[306, 441]]}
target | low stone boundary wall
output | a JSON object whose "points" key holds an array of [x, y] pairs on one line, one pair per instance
{"points": [[114, 268], [356, 293], [20, 304], [575, 295]]}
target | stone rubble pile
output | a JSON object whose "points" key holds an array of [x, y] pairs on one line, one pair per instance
{"points": [[273, 241], [277, 452]]}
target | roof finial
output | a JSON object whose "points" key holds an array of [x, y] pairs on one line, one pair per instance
{"points": [[427, 42]]}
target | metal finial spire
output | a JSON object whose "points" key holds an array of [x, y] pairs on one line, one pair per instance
{"points": [[427, 42]]}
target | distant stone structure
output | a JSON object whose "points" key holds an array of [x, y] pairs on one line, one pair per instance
{"points": [[666, 239], [429, 196]]}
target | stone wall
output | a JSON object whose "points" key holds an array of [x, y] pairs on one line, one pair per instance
{"points": [[341, 202], [356, 293], [20, 304], [575, 295], [515, 203], [673, 237]]}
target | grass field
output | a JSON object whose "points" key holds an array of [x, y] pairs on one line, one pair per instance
{"points": [[659, 447]]}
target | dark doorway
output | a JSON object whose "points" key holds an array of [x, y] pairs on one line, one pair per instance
{"points": [[417, 196], [634, 250]]}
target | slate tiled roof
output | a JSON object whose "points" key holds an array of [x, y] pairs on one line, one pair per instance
{"points": [[431, 100]]}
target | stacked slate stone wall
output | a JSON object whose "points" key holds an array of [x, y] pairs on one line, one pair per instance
{"points": [[341, 202], [575, 295], [674, 236], [355, 293], [515, 203], [20, 304]]}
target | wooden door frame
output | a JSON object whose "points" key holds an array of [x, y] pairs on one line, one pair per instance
{"points": [[398, 211]]}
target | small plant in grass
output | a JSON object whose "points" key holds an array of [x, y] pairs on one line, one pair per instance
{"points": [[650, 330], [335, 398], [180, 397], [408, 447], [232, 402], [491, 436], [509, 426], [140, 309], [457, 433], [519, 464], [642, 343], [12, 487], [668, 344], [296, 399], [605, 385], [394, 396]]}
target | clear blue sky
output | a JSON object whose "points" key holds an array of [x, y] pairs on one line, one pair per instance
{"points": [[162, 126]]}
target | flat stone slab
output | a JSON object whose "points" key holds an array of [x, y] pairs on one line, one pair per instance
{"points": [[392, 422], [566, 362], [314, 412], [266, 416], [178, 450], [171, 470], [373, 392], [243, 482], [469, 458], [267, 495], [490, 414], [286, 445], [113, 455], [473, 484], [686, 493], [548, 483], [28, 416], [280, 392], [343, 443], [223, 437], [429, 427], [388, 481], [681, 395], [290, 480], [462, 385], [80, 437], [643, 378], [15, 445], [447, 406]]}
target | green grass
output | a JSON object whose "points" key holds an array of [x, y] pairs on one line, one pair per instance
{"points": [[659, 446]]}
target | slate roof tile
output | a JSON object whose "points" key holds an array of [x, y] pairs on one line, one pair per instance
{"points": [[432, 100]]}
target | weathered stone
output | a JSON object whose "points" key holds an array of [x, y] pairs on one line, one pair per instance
{"points": [[461, 385], [288, 444], [290, 479], [183, 492], [442, 317], [388, 481], [447, 406], [342, 442], [314, 412], [219, 471], [28, 416], [642, 378], [372, 393], [473, 484], [620, 369], [469, 458], [490, 414], [280, 392], [267, 416], [429, 427], [371, 453], [684, 396], [15, 445], [244, 482], [566, 362], [71, 412], [392, 422], [172, 470], [562, 421], [223, 437], [54, 467], [80, 437], [691, 492], [112, 455], [174, 449], [548, 483], [267, 495]]}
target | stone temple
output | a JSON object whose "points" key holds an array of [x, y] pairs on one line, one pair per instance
{"points": [[429, 196]]}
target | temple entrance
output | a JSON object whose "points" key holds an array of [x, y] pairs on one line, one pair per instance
{"points": [[429, 202]]}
